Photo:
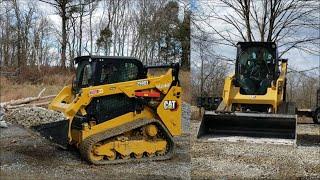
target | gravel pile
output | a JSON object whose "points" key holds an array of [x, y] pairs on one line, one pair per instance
{"points": [[36, 115], [33, 116]]}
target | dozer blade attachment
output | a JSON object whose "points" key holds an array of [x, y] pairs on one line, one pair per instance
{"points": [[248, 124], [55, 132]]}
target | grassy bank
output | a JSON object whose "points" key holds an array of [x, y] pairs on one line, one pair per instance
{"points": [[31, 82]]}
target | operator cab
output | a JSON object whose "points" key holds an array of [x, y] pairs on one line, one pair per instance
{"points": [[99, 70], [257, 67]]}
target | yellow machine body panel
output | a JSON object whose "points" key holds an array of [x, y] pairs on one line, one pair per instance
{"points": [[81, 100], [274, 96], [169, 110]]}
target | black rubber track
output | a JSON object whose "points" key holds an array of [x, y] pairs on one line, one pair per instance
{"points": [[86, 146]]}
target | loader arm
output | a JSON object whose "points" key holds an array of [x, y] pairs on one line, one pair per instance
{"points": [[129, 88], [70, 108]]}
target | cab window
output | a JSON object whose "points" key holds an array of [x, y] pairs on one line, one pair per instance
{"points": [[118, 72], [86, 76]]}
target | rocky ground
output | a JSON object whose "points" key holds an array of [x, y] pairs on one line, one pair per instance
{"points": [[239, 160], [26, 156]]}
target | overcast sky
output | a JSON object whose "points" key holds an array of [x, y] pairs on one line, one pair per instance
{"points": [[298, 60]]}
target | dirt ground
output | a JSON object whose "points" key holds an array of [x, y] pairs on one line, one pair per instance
{"points": [[239, 160], [24, 156]]}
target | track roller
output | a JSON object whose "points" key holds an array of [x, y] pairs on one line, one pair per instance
{"points": [[137, 141]]}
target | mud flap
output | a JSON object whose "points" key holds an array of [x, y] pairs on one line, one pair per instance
{"points": [[55, 132], [248, 124]]}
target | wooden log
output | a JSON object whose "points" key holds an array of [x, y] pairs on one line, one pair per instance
{"points": [[25, 100], [27, 105]]}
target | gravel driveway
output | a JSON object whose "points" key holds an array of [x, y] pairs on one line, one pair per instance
{"points": [[238, 160], [25, 156]]}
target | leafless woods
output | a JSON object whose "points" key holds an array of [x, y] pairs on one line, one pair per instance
{"points": [[53, 32]]}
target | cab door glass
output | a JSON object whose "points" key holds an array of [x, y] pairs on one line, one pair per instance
{"points": [[86, 75], [118, 72], [130, 71], [109, 73]]}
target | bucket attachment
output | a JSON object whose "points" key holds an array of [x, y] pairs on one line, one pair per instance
{"points": [[55, 132], [247, 124]]}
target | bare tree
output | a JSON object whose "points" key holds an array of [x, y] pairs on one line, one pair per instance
{"points": [[290, 23], [208, 68], [184, 37], [293, 24], [149, 30], [22, 35], [19, 34], [302, 89], [153, 31], [62, 6]]}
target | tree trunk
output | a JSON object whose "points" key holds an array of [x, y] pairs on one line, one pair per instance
{"points": [[19, 45], [64, 39], [185, 42], [90, 26], [80, 29]]}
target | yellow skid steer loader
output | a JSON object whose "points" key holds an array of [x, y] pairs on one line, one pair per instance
{"points": [[118, 112], [254, 98]]}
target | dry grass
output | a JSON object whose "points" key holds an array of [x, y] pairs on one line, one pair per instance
{"points": [[30, 82], [10, 90]]}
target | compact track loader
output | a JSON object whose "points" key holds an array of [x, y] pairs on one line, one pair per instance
{"points": [[254, 98], [118, 112]]}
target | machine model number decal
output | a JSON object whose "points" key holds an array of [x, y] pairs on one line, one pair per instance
{"points": [[95, 91], [162, 86], [143, 83], [170, 105]]}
